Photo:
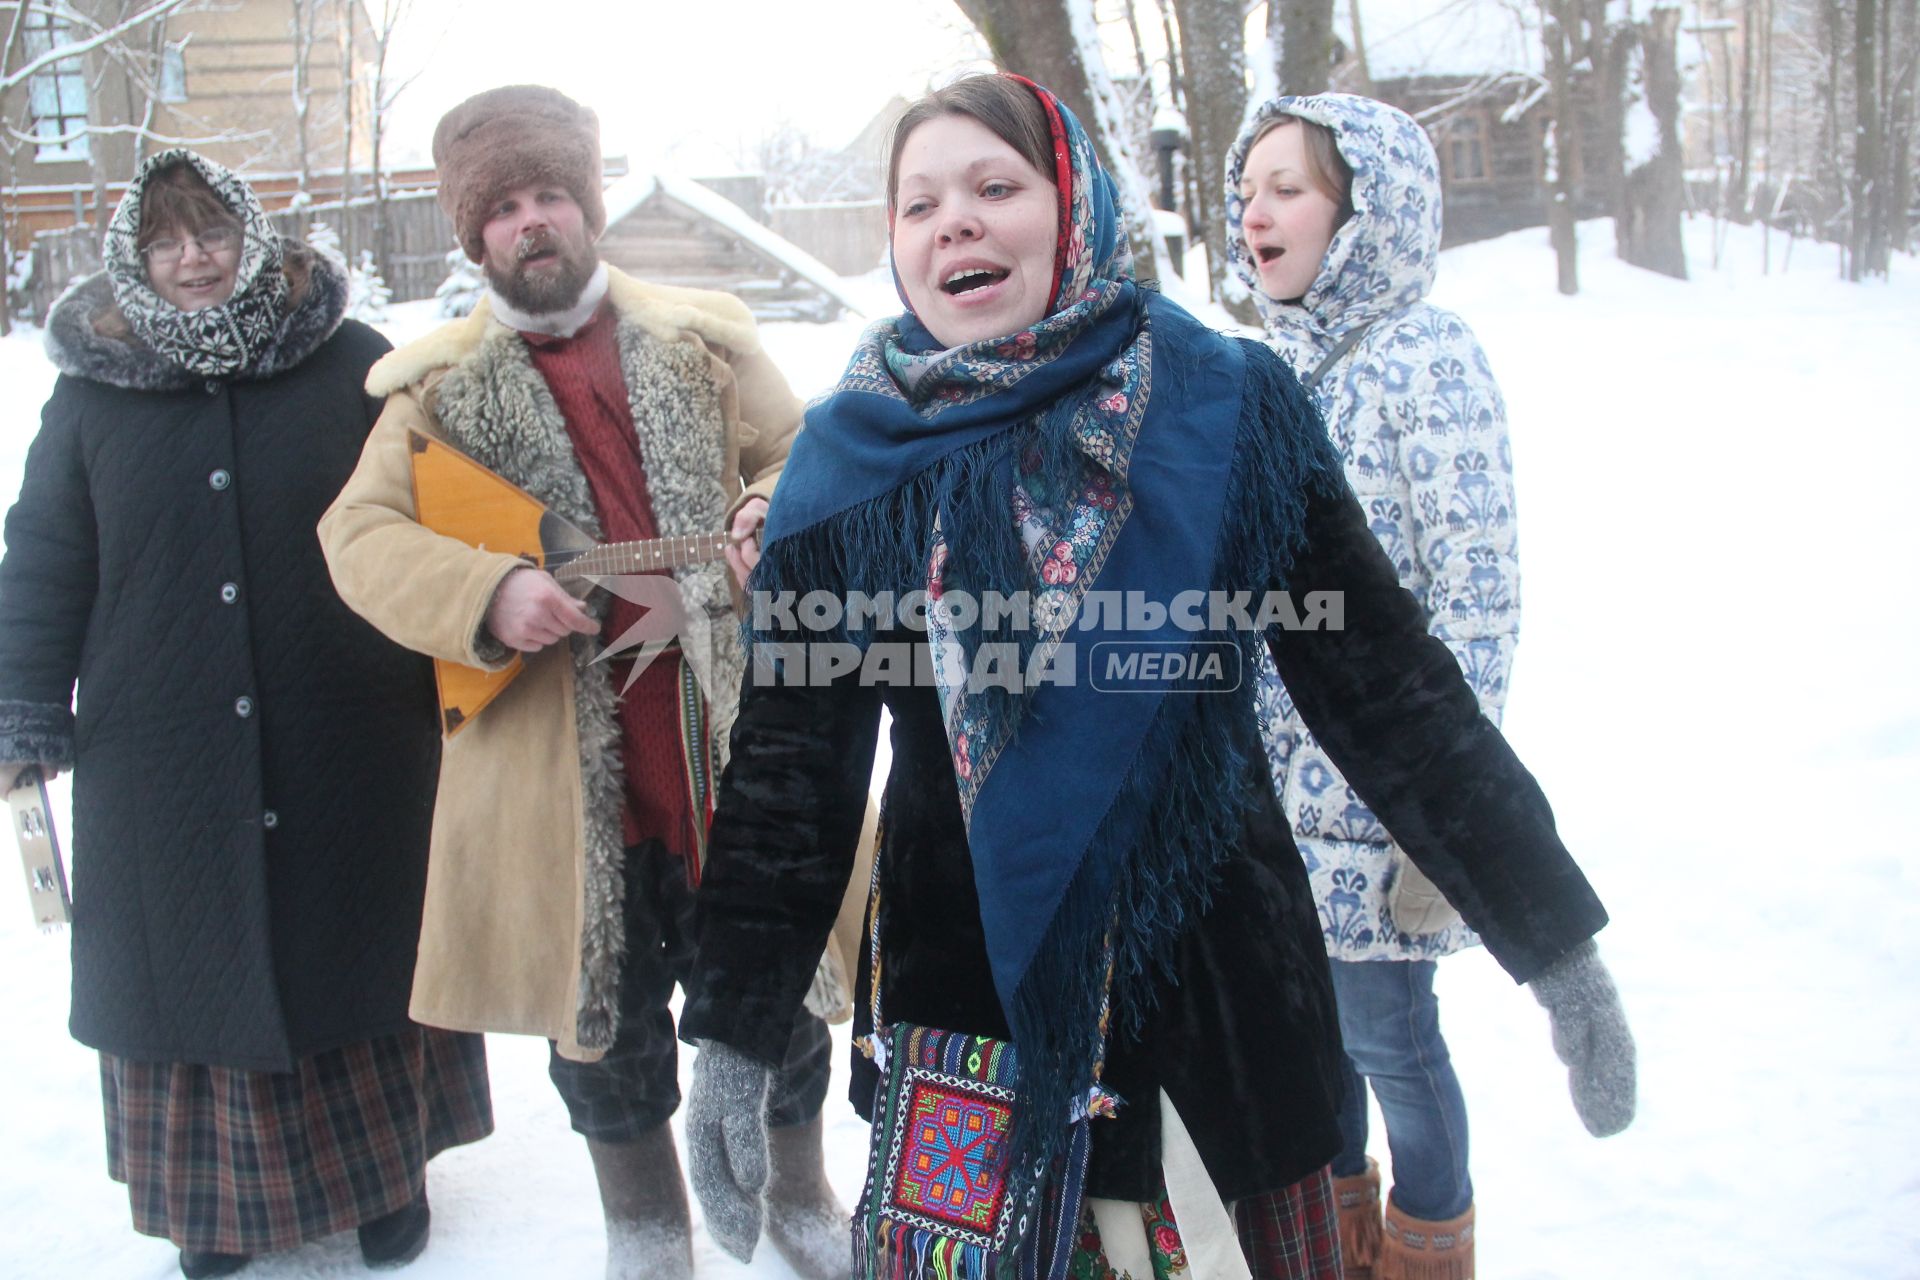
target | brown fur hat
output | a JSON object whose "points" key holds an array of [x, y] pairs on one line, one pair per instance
{"points": [[498, 141]]}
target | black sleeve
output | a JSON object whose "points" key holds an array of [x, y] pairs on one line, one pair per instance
{"points": [[48, 579], [1391, 707], [784, 834]]}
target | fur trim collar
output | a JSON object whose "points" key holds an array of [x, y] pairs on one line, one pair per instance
{"points": [[88, 337], [666, 312]]}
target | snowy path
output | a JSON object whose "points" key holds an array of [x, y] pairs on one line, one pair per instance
{"points": [[1716, 687]]}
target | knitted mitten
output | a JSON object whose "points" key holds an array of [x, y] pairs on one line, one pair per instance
{"points": [[727, 1144], [1590, 1035]]}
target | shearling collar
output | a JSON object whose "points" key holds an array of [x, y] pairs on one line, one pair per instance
{"points": [[88, 337], [667, 312]]}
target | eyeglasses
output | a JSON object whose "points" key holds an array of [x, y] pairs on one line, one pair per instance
{"points": [[213, 240]]}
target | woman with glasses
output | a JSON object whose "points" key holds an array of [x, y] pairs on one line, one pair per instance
{"points": [[253, 765]]}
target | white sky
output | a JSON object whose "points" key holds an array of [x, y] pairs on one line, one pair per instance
{"points": [[687, 84]]}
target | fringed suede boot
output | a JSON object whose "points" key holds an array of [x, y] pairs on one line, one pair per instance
{"points": [[806, 1222], [1358, 1200], [1415, 1249], [649, 1231]]}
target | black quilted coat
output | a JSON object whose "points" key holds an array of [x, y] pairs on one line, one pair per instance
{"points": [[253, 763]]}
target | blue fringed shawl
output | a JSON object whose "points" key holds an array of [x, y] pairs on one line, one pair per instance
{"points": [[1182, 459]]}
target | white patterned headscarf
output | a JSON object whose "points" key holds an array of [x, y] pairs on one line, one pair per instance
{"points": [[221, 341]]}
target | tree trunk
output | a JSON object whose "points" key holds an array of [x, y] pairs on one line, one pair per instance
{"points": [[1211, 36], [1556, 33], [1740, 190], [1038, 39], [6, 240], [1615, 47], [1306, 45], [1831, 163], [1868, 233], [9, 149], [1180, 93], [343, 33], [1362, 71], [300, 22], [1900, 128], [1656, 190]]}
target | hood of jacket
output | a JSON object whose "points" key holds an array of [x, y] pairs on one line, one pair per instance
{"points": [[1385, 257], [88, 336]]}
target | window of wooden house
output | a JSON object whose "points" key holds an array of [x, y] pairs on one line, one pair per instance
{"points": [[1465, 149], [57, 93]]}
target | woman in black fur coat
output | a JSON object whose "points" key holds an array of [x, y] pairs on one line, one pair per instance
{"points": [[1089, 864], [253, 764]]}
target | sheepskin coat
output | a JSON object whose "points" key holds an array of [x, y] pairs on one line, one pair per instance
{"points": [[522, 929], [253, 763]]}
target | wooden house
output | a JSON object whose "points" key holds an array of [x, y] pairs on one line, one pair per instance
{"points": [[676, 231], [217, 77]]}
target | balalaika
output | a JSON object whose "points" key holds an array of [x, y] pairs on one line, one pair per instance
{"points": [[456, 496]]}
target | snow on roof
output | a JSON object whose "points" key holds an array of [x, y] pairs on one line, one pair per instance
{"points": [[634, 190], [1454, 37]]}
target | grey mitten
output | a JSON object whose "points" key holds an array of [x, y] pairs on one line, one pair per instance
{"points": [[1590, 1035], [727, 1144]]}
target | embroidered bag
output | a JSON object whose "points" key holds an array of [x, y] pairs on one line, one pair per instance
{"points": [[941, 1201]]}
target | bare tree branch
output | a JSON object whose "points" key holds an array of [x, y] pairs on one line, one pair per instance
{"points": [[21, 74], [139, 130]]}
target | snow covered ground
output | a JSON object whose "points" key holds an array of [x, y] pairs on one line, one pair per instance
{"points": [[1717, 689]]}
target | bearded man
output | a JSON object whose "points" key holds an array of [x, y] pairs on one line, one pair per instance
{"points": [[571, 814]]}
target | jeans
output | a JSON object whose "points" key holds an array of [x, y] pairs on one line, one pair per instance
{"points": [[1391, 1024], [636, 1086]]}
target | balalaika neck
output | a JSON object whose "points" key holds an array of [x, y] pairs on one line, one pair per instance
{"points": [[649, 556]]}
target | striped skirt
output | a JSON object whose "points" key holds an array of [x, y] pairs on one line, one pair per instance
{"points": [[229, 1161], [1290, 1234]]}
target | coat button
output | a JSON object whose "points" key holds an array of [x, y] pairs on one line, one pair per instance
{"points": [[220, 478], [243, 707], [269, 819], [213, 388], [229, 592]]}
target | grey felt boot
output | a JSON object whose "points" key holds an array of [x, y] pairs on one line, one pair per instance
{"points": [[806, 1222], [649, 1231]]}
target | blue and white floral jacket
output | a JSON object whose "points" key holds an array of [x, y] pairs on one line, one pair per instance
{"points": [[1416, 414]]}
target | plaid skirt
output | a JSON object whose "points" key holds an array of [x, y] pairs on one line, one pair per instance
{"points": [[1290, 1234], [228, 1161]]}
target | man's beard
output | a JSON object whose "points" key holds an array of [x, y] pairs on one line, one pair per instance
{"points": [[546, 291]]}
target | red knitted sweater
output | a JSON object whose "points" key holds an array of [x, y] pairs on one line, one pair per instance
{"points": [[583, 373]]}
